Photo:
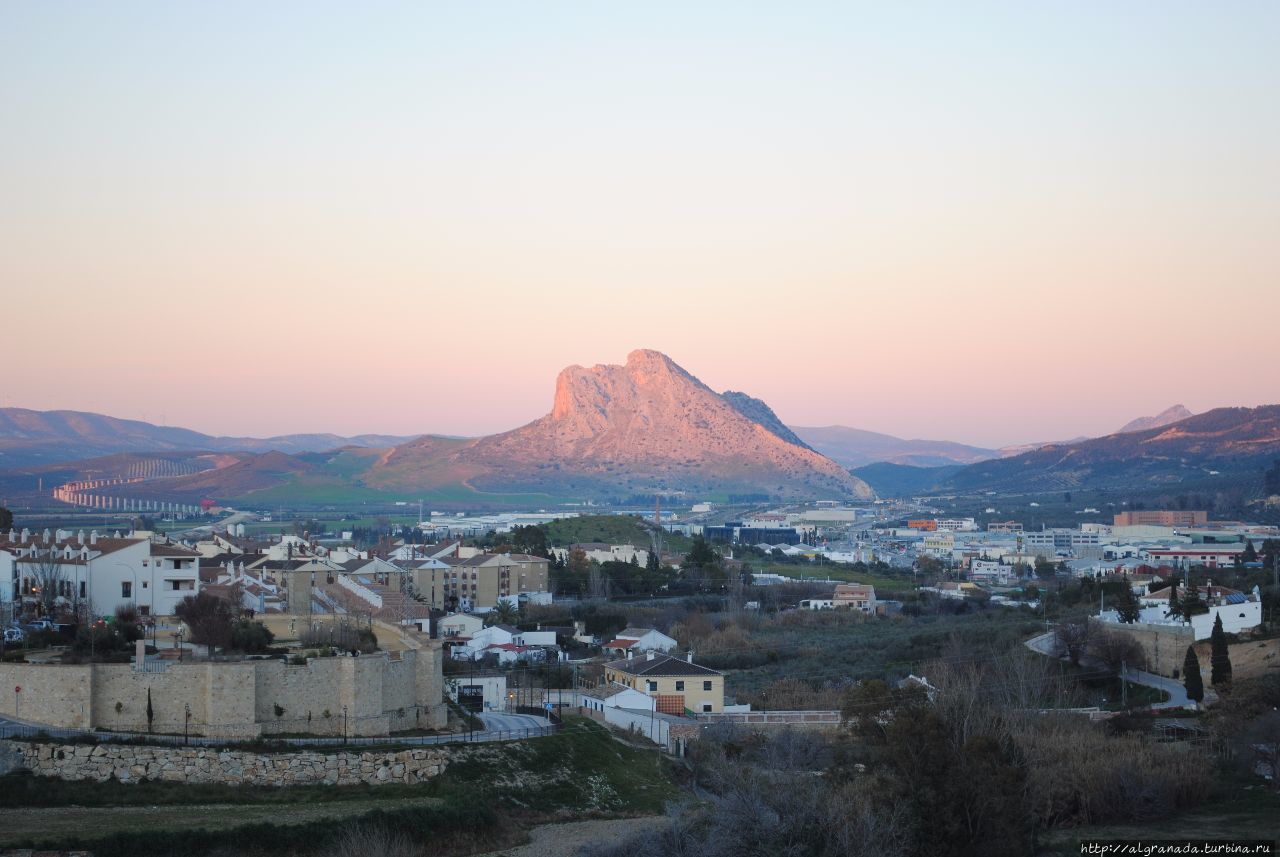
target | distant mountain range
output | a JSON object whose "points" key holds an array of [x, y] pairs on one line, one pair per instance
{"points": [[1217, 445], [32, 438], [855, 447], [1168, 416], [613, 431]]}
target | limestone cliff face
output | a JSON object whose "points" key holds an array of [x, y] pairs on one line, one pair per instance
{"points": [[646, 425]]}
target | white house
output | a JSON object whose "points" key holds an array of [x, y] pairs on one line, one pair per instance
{"points": [[601, 552], [633, 640], [535, 638], [1239, 613], [96, 574], [478, 692], [494, 635], [615, 695], [459, 625]]}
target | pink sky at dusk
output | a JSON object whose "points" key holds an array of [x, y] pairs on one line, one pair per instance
{"points": [[1001, 225]]}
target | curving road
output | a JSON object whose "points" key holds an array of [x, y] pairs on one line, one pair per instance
{"points": [[1043, 644]]}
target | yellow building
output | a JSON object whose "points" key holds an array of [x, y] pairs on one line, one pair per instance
{"points": [[678, 684]]}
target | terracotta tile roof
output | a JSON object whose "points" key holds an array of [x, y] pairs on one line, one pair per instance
{"points": [[172, 550], [620, 643]]}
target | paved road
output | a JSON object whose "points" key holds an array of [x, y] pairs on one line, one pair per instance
{"points": [[494, 722], [1043, 644], [498, 727]]}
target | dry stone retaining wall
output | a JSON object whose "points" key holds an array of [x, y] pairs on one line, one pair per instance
{"points": [[130, 763]]}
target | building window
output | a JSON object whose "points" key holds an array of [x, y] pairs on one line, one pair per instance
{"points": [[83, 585], [706, 707], [144, 584], [679, 685], [706, 685], [653, 686], [126, 589]]}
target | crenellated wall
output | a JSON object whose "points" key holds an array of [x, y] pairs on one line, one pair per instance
{"points": [[383, 692]]}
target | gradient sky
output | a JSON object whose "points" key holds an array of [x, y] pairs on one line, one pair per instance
{"points": [[990, 223]]}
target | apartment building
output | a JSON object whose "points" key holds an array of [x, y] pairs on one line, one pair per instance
{"points": [[477, 583], [94, 574]]}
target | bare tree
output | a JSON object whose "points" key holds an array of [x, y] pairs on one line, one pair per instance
{"points": [[358, 840], [1117, 649], [1071, 638], [48, 579], [597, 582]]}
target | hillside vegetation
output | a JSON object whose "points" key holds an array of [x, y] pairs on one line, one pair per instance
{"points": [[485, 799]]}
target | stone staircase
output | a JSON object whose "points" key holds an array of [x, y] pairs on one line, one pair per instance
{"points": [[396, 605]]}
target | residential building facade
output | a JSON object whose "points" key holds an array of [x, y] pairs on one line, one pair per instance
{"points": [[678, 685]]}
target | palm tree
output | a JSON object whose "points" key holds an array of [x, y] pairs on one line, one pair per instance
{"points": [[505, 613]]}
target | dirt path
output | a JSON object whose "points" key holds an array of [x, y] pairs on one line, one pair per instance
{"points": [[52, 823], [565, 840]]}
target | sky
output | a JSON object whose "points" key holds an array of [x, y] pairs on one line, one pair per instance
{"points": [[983, 222]]}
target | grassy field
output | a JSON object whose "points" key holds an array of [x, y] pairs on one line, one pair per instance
{"points": [[884, 585], [45, 824], [611, 529], [838, 647], [310, 492], [483, 800]]}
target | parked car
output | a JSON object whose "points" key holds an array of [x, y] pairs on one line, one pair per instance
{"points": [[42, 625], [13, 636]]}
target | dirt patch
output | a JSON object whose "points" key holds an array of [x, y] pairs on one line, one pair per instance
{"points": [[567, 839], [54, 823], [1248, 660]]}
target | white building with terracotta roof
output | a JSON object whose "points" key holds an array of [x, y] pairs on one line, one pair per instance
{"points": [[630, 641], [94, 574]]}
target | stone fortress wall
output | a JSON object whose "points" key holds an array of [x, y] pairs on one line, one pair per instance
{"points": [[1164, 645], [383, 692], [131, 764]]}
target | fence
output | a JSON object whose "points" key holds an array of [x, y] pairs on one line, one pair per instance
{"points": [[151, 667], [20, 731], [773, 718]]}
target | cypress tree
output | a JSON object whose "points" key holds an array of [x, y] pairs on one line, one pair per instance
{"points": [[1175, 606], [151, 714], [1127, 605], [1250, 553], [1191, 676], [1220, 660]]}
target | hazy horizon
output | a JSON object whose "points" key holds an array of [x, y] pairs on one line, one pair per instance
{"points": [[160, 420], [993, 224]]}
